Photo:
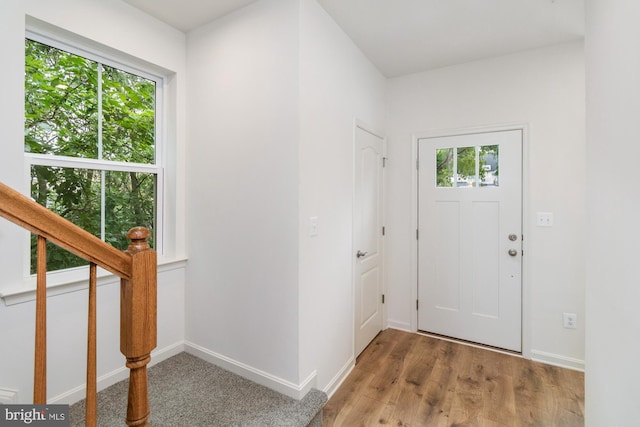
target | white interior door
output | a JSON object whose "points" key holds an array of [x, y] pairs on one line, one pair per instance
{"points": [[367, 237], [470, 237]]}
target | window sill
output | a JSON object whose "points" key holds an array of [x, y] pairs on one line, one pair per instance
{"points": [[74, 280]]}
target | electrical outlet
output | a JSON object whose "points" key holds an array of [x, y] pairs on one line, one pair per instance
{"points": [[544, 219], [570, 320]]}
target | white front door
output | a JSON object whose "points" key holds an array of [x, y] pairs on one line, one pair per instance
{"points": [[470, 237], [367, 237]]}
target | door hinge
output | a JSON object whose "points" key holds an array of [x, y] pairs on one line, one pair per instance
{"points": [[383, 230], [383, 298], [417, 164], [417, 304], [417, 234], [384, 162]]}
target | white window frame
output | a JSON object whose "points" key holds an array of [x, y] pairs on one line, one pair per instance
{"points": [[130, 65]]}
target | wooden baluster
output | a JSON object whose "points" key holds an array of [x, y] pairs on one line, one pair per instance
{"points": [[40, 365], [91, 409], [138, 310]]}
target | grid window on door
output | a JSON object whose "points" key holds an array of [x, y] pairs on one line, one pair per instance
{"points": [[465, 167]]}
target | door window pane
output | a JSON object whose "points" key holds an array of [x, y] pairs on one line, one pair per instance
{"points": [[489, 156], [444, 167], [475, 166], [466, 167]]}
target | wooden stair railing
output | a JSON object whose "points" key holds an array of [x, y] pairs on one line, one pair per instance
{"points": [[137, 269]]}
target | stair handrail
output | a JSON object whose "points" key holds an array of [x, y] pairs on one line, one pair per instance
{"points": [[137, 269], [34, 217]]}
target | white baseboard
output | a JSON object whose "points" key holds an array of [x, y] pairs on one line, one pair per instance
{"points": [[295, 391], [78, 393], [339, 378], [403, 326], [557, 360], [8, 396]]}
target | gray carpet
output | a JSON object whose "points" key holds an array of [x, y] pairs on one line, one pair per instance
{"points": [[187, 391]]}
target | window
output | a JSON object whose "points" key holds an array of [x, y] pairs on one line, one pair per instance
{"points": [[90, 144], [467, 166]]}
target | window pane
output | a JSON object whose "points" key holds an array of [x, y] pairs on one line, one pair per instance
{"points": [[489, 156], [61, 106], [444, 167], [73, 194], [466, 167], [81, 108], [129, 202], [128, 110]]}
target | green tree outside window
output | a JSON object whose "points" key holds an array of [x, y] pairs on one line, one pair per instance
{"points": [[80, 110]]}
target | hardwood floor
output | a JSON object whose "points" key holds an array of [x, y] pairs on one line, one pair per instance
{"points": [[405, 379]]}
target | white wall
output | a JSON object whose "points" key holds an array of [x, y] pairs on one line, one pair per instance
{"points": [[116, 26], [274, 91], [337, 85], [543, 88], [613, 206], [242, 299]]}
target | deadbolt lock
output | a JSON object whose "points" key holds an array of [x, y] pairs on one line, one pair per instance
{"points": [[513, 237]]}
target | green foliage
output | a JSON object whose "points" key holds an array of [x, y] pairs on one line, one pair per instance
{"points": [[489, 155], [465, 164], [63, 117], [444, 167]]}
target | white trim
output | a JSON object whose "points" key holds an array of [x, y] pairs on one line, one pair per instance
{"points": [[78, 393], [471, 344], [8, 396], [339, 378], [83, 163], [57, 37], [369, 129], [414, 241], [402, 326], [526, 263], [558, 360], [295, 391], [526, 291], [72, 280]]}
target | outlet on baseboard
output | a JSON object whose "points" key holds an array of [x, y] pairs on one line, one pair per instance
{"points": [[8, 397], [569, 320]]}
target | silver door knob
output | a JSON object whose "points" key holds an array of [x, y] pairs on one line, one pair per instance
{"points": [[513, 252], [360, 254]]}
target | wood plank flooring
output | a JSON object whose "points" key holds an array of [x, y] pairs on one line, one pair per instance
{"points": [[404, 379]]}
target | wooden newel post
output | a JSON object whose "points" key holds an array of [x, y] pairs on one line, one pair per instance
{"points": [[138, 311]]}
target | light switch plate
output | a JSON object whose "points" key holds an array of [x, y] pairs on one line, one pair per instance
{"points": [[313, 226]]}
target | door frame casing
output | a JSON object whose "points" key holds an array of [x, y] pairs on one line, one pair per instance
{"points": [[357, 123], [526, 271]]}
